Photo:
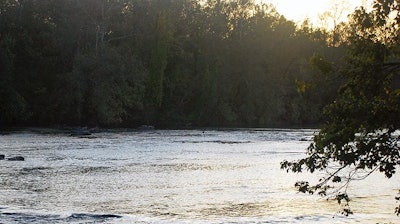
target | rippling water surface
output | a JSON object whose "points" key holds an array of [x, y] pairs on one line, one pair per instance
{"points": [[174, 176]]}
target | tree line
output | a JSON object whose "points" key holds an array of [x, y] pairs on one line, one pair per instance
{"points": [[169, 63]]}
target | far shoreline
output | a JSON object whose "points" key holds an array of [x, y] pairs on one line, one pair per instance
{"points": [[70, 129]]}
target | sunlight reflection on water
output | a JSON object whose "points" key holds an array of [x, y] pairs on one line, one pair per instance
{"points": [[171, 177]]}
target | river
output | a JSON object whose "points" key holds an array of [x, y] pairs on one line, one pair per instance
{"points": [[173, 176]]}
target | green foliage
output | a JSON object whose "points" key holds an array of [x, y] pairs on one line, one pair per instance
{"points": [[361, 124], [161, 62], [318, 62], [110, 85], [13, 107]]}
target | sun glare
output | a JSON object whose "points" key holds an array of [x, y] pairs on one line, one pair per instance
{"points": [[299, 10]]}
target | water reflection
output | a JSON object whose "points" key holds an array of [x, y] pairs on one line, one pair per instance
{"points": [[167, 177]]}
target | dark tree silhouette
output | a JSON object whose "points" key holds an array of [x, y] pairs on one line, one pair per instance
{"points": [[361, 134]]}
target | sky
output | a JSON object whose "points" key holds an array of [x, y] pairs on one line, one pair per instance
{"points": [[298, 10]]}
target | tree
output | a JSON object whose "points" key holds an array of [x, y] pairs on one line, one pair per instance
{"points": [[361, 132], [13, 106], [331, 21], [162, 62], [159, 60]]}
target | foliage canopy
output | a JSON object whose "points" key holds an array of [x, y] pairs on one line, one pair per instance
{"points": [[161, 62]]}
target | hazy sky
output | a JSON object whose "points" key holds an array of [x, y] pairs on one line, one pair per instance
{"points": [[298, 10]]}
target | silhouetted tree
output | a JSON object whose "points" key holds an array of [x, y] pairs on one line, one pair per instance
{"points": [[361, 132]]}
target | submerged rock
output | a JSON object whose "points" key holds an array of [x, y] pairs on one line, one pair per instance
{"points": [[84, 216], [2, 157], [16, 158]]}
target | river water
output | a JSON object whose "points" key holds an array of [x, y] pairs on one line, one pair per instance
{"points": [[173, 176]]}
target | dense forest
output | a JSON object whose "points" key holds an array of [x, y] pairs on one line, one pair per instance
{"points": [[168, 63]]}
